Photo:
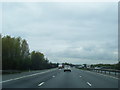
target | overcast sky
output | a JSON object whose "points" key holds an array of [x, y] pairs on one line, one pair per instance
{"points": [[66, 32]]}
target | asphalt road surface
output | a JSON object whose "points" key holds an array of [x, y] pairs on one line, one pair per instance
{"points": [[56, 78]]}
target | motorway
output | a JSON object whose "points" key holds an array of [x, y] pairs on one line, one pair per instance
{"points": [[55, 78]]}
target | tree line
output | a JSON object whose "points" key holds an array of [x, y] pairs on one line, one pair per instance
{"points": [[17, 56]]}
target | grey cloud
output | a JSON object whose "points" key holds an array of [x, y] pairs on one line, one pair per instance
{"points": [[76, 32]]}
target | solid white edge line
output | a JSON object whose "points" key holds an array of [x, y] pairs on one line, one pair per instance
{"points": [[89, 84], [26, 76], [41, 84]]}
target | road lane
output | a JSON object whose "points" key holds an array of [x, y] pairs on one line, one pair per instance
{"points": [[66, 80], [98, 80], [30, 82], [18, 75], [60, 79]]}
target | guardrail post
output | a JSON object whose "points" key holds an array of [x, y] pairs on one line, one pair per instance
{"points": [[115, 72], [105, 71]]}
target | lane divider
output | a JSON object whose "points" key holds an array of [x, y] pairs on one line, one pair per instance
{"points": [[80, 76], [89, 84], [40, 84], [53, 76]]}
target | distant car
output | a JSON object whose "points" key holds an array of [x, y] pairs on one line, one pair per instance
{"points": [[67, 68], [60, 66]]}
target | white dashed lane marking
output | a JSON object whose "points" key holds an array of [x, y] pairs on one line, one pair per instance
{"points": [[80, 76], [41, 84], [53, 76], [89, 84]]}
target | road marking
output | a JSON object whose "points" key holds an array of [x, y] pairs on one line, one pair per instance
{"points": [[26, 76], [89, 84], [41, 84], [53, 76], [7, 80], [80, 76]]}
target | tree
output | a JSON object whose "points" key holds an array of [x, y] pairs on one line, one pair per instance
{"points": [[7, 52], [25, 60], [16, 55], [37, 59], [0, 52]]}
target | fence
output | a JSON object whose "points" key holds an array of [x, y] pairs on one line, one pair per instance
{"points": [[106, 71], [10, 71]]}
